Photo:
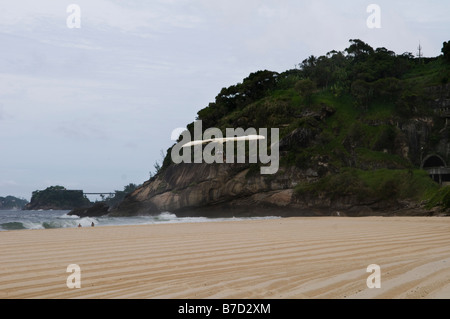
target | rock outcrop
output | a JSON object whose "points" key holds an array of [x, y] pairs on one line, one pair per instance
{"points": [[97, 210], [227, 190], [57, 198], [212, 189]]}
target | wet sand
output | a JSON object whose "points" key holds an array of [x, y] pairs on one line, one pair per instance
{"points": [[279, 258]]}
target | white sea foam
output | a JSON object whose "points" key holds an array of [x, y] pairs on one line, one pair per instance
{"points": [[69, 216], [32, 225], [16, 220]]}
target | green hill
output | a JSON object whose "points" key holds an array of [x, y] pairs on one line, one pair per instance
{"points": [[361, 122]]}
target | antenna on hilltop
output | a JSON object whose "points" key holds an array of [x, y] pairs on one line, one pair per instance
{"points": [[420, 53]]}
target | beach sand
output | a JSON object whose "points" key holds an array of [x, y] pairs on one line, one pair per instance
{"points": [[277, 258]]}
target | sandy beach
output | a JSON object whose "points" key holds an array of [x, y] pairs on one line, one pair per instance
{"points": [[278, 258]]}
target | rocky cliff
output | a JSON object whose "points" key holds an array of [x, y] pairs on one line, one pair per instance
{"points": [[212, 189], [227, 190]]}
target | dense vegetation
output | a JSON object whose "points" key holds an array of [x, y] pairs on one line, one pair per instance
{"points": [[119, 195], [342, 115], [375, 185], [11, 202]]}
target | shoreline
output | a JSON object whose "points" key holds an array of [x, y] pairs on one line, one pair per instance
{"points": [[12, 223], [218, 220], [299, 258]]}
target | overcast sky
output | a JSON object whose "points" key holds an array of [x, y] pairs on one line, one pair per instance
{"points": [[92, 107]]}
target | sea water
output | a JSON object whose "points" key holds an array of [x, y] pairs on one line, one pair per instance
{"points": [[44, 219]]}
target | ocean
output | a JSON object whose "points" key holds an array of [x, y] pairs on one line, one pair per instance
{"points": [[45, 219]]}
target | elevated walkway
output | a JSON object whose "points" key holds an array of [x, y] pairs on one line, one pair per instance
{"points": [[440, 175], [437, 169]]}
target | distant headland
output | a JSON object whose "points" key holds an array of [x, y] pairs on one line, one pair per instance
{"points": [[60, 198], [12, 203], [57, 198]]}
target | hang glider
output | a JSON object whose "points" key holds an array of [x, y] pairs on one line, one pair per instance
{"points": [[226, 139]]}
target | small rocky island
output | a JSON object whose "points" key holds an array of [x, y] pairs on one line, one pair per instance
{"points": [[57, 198], [96, 210]]}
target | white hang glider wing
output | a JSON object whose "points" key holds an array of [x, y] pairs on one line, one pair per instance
{"points": [[226, 139]]}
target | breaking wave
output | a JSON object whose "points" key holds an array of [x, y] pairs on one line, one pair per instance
{"points": [[19, 220]]}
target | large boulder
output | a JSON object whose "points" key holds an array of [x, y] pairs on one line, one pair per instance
{"points": [[97, 210]]}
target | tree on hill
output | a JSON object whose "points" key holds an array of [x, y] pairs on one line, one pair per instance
{"points": [[446, 51], [120, 195], [236, 97], [359, 50]]}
